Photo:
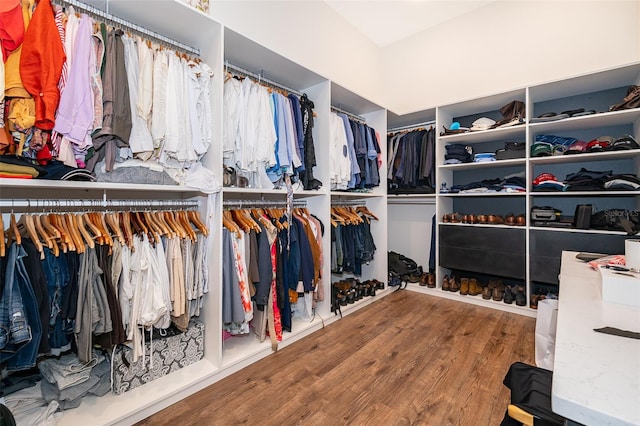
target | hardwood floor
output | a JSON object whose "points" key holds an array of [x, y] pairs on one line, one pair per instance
{"points": [[407, 359]]}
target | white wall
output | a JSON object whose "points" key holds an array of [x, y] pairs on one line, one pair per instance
{"points": [[311, 34], [502, 46], [509, 45]]}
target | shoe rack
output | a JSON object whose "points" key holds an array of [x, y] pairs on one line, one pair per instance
{"points": [[485, 240]]}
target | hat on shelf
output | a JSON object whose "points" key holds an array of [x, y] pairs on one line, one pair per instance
{"points": [[600, 144], [544, 177], [623, 143], [541, 149], [577, 147], [482, 123]]}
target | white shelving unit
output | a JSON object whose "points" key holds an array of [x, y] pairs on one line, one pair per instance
{"points": [[541, 246]]}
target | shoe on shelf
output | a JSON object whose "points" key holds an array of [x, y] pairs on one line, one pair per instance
{"points": [[498, 294], [464, 286], [431, 280], [521, 220], [486, 293], [474, 287], [454, 286], [510, 219], [424, 279], [533, 301], [508, 295], [445, 283], [521, 298]]}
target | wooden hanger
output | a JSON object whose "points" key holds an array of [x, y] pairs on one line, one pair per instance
{"points": [[27, 228], [227, 222], [175, 226], [160, 219], [72, 230], [113, 222], [194, 218], [95, 231], [88, 239], [364, 210], [125, 224], [184, 221], [48, 221], [50, 239], [13, 234]]}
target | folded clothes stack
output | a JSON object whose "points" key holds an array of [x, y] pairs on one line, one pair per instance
{"points": [[587, 180], [548, 145]]}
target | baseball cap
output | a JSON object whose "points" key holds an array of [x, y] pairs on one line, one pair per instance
{"points": [[577, 147], [541, 149], [544, 177], [600, 144], [623, 143]]}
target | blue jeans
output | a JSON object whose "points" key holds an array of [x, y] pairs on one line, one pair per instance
{"points": [[57, 273], [14, 329], [23, 357]]}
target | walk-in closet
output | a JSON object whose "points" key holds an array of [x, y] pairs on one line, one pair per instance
{"points": [[373, 193]]}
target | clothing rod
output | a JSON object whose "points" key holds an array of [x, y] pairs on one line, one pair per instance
{"points": [[238, 70], [261, 203], [129, 25], [411, 126], [348, 203], [61, 204], [349, 114]]}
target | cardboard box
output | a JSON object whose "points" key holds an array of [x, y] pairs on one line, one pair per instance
{"points": [[620, 287], [169, 354]]}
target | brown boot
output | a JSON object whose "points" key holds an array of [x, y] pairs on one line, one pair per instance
{"points": [[431, 280], [474, 287], [464, 286], [486, 293]]}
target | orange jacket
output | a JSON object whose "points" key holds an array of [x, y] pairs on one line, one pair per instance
{"points": [[41, 63]]}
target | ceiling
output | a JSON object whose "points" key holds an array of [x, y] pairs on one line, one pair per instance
{"points": [[385, 22]]}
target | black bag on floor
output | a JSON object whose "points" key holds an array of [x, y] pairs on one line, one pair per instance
{"points": [[403, 267], [617, 220]]}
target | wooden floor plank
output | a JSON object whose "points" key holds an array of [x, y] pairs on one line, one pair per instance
{"points": [[407, 359]]}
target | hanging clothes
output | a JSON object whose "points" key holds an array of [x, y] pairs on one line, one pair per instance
{"points": [[411, 162], [354, 153], [267, 135]]}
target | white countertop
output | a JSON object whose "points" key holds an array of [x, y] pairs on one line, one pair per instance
{"points": [[596, 377]]}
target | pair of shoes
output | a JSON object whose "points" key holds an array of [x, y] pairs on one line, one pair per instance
{"points": [[428, 279], [513, 220], [470, 286]]}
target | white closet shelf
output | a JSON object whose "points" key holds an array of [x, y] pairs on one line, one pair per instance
{"points": [[594, 121], [399, 197], [586, 193], [92, 186], [485, 194], [487, 165], [586, 157], [354, 195], [486, 135], [475, 300], [578, 231], [140, 402]]}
